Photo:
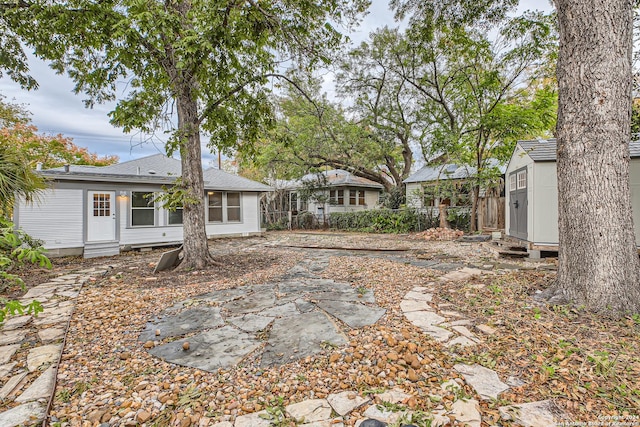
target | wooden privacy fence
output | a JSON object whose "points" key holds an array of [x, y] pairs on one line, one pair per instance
{"points": [[491, 213]]}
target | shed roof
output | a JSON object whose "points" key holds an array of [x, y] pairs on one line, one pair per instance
{"points": [[155, 169], [542, 150], [448, 171]]}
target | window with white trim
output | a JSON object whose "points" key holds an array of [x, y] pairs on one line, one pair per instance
{"points": [[522, 179], [214, 201], [224, 206], [175, 217], [336, 197], [356, 197], [233, 207], [512, 182], [143, 212], [101, 204]]}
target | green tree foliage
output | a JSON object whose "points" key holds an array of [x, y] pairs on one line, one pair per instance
{"points": [[17, 179], [206, 62], [478, 96], [314, 133], [384, 103]]}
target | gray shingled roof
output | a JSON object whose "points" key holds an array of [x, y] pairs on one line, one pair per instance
{"points": [[339, 178], [545, 150], [448, 171], [157, 169]]}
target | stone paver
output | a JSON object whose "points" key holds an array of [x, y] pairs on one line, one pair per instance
{"points": [[7, 352], [12, 337], [41, 388], [534, 414], [11, 385], [345, 402], [43, 355], [34, 387], [310, 411], [31, 413], [483, 380]]}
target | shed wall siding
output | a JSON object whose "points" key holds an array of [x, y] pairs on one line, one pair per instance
{"points": [[57, 218], [543, 198], [634, 172], [543, 204]]}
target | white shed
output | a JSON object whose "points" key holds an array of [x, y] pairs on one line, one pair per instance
{"points": [[531, 195]]}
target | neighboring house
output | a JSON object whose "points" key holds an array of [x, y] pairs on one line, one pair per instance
{"points": [[531, 197], [343, 192], [448, 184], [422, 186], [96, 211]]}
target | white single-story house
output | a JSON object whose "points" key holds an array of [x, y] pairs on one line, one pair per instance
{"points": [[448, 184], [97, 211], [531, 196], [344, 192]]}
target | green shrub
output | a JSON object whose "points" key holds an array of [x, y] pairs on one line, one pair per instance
{"points": [[17, 248], [383, 221]]}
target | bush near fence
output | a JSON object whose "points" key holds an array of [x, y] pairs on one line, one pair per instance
{"points": [[383, 221], [372, 221]]}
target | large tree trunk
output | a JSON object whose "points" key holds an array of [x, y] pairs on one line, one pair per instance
{"points": [[195, 248], [598, 262]]}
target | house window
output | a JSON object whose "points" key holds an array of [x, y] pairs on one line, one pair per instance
{"points": [[233, 207], [224, 207], [175, 217], [356, 197], [512, 183], [101, 204], [215, 206], [522, 179], [142, 209], [336, 197]]}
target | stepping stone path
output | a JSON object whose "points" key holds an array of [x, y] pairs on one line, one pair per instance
{"points": [[30, 348], [289, 319], [450, 328]]}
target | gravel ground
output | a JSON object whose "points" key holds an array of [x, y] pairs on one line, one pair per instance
{"points": [[106, 376]]}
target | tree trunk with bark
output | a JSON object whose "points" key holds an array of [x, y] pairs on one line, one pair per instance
{"points": [[195, 246], [598, 261]]}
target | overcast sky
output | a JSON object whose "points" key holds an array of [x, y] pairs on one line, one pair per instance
{"points": [[56, 109]]}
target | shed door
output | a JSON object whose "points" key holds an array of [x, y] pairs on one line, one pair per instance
{"points": [[518, 204], [101, 216]]}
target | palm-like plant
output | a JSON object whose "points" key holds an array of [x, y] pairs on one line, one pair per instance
{"points": [[17, 179]]}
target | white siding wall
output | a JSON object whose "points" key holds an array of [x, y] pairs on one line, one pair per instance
{"points": [[635, 196], [57, 218], [250, 219], [172, 233], [543, 205], [543, 198], [413, 191], [371, 198]]}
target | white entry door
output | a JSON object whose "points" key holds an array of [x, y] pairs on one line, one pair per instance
{"points": [[101, 216]]}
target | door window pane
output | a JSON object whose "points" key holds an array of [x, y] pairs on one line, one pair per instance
{"points": [[101, 204], [522, 180]]}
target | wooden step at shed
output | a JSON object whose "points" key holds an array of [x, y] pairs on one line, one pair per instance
{"points": [[508, 249]]}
